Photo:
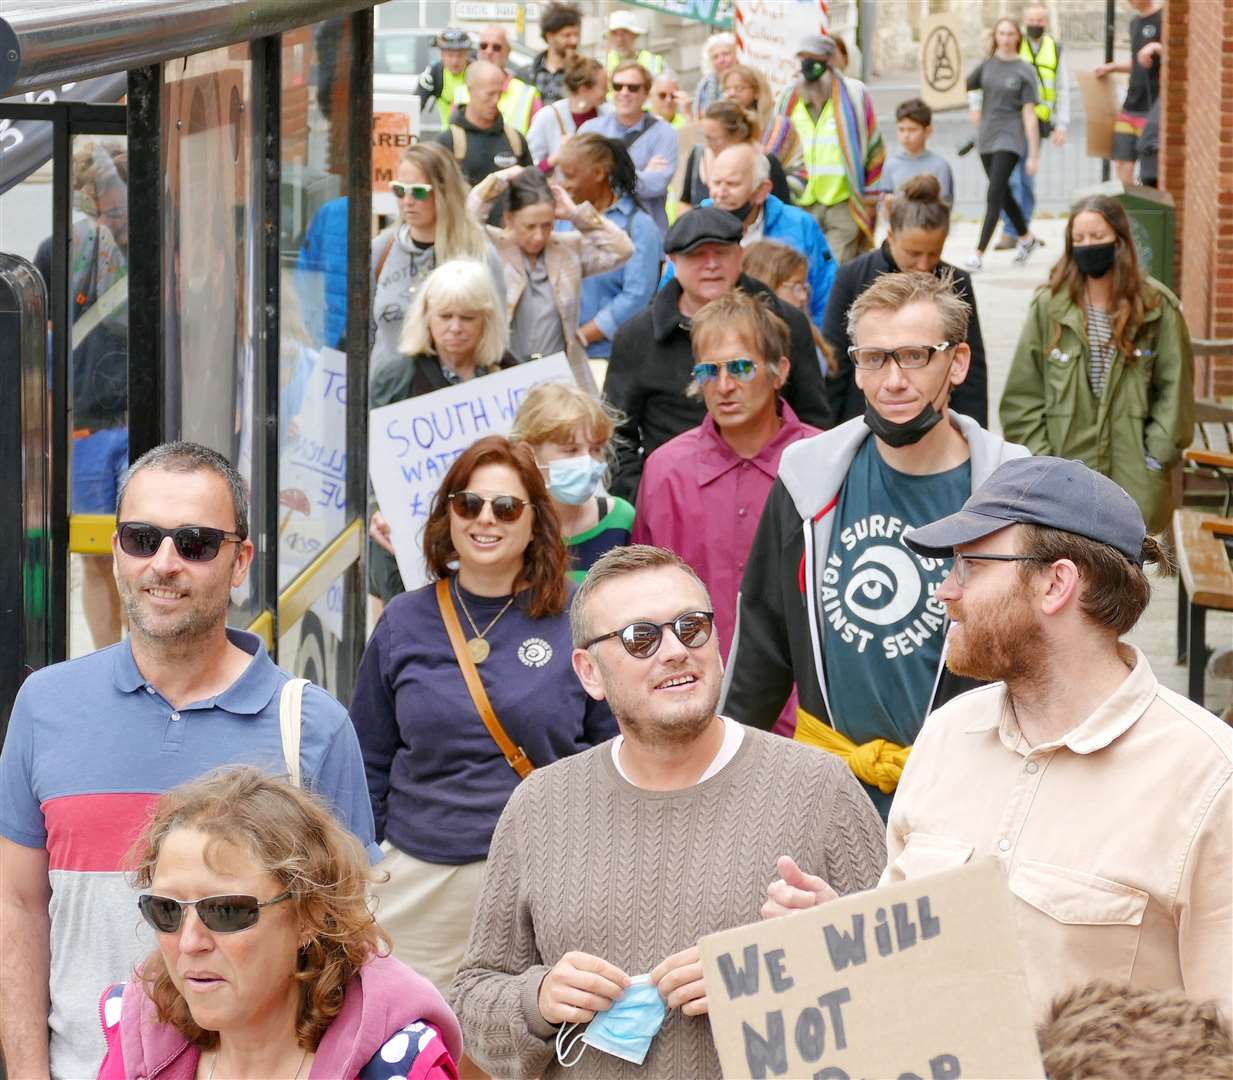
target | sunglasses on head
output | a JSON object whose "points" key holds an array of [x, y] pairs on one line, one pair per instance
{"points": [[741, 369], [642, 639], [218, 914], [468, 506], [632, 87], [419, 192], [197, 543]]}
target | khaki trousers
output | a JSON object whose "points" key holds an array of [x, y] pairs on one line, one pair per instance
{"points": [[843, 235]]}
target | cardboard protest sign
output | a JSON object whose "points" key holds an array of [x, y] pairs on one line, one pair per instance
{"points": [[412, 444], [768, 33], [942, 82], [920, 980], [395, 126], [1100, 107]]}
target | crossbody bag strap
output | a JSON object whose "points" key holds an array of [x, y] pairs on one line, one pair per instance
{"points": [[290, 701], [515, 756]]}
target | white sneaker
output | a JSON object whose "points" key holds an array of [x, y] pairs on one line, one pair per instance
{"points": [[1025, 248], [974, 263]]}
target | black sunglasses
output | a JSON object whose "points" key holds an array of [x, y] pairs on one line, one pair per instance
{"points": [[642, 639], [197, 543], [468, 506], [218, 914], [632, 87]]}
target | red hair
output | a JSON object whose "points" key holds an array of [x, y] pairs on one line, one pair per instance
{"points": [[544, 562]]}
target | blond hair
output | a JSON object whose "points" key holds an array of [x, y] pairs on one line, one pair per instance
{"points": [[892, 292], [552, 412], [466, 285], [762, 331], [292, 836], [458, 235]]}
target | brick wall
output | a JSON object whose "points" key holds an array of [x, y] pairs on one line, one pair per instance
{"points": [[1197, 168]]}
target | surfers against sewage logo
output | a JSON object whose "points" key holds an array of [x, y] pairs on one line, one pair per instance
{"points": [[877, 593]]}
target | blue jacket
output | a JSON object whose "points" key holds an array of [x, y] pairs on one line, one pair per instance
{"points": [[321, 275], [795, 227]]}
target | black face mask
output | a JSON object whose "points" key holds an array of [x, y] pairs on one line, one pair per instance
{"points": [[1095, 260], [812, 70], [910, 431], [1034, 32], [741, 213]]}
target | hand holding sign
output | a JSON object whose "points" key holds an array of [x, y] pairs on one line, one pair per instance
{"points": [[679, 980], [794, 890], [579, 986]]}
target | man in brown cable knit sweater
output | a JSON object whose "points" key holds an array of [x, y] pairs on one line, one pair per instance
{"points": [[613, 863]]}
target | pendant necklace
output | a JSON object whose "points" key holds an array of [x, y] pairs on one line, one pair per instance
{"points": [[477, 648]]}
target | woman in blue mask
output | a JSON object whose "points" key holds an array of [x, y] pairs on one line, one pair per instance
{"points": [[570, 432], [1103, 371]]}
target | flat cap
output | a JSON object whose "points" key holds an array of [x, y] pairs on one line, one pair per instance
{"points": [[705, 225]]}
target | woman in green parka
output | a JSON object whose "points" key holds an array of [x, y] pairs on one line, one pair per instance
{"points": [[1103, 371]]}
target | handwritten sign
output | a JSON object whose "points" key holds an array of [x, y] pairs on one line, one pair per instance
{"points": [[942, 81], [770, 31], [920, 980], [412, 444]]}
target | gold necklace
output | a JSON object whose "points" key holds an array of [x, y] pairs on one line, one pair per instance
{"points": [[477, 648], [303, 1058]]}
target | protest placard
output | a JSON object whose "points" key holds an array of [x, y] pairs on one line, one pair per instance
{"points": [[920, 980], [942, 83], [768, 33], [1100, 108], [412, 444]]}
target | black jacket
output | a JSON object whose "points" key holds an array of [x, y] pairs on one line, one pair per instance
{"points": [[483, 145], [652, 363], [852, 279]]}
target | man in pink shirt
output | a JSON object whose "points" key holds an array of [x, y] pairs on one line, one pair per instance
{"points": [[702, 492]]}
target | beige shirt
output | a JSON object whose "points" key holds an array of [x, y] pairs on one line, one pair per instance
{"points": [[1115, 839]]}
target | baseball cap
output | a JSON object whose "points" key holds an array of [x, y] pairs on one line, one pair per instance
{"points": [[1048, 491], [705, 225], [624, 20], [453, 39], [816, 45]]}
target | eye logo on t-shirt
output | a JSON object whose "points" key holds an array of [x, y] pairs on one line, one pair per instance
{"points": [[535, 652], [1149, 31]]}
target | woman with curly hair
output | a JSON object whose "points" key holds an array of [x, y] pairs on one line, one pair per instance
{"points": [[1103, 371], [268, 960], [437, 775]]}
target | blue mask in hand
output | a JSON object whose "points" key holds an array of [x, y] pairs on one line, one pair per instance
{"points": [[574, 480], [625, 1030]]}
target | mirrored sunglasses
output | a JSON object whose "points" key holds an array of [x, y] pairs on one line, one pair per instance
{"points": [[197, 543], [218, 914], [741, 369], [468, 506], [642, 639], [419, 192]]}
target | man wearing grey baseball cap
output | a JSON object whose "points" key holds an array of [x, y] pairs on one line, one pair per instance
{"points": [[1107, 798]]}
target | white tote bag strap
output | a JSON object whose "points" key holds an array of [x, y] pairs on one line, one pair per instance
{"points": [[289, 702]]}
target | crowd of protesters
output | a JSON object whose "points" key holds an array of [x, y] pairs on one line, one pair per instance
{"points": [[769, 616]]}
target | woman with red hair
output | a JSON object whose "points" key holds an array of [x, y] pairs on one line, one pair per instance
{"points": [[438, 774]]}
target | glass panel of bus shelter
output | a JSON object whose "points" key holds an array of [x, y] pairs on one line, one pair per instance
{"points": [[212, 255], [312, 451]]}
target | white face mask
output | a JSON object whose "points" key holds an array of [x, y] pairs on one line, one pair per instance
{"points": [[574, 480]]}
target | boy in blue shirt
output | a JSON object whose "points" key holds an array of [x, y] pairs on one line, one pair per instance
{"points": [[913, 126]]}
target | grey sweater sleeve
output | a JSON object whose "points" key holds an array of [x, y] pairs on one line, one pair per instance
{"points": [[496, 991]]}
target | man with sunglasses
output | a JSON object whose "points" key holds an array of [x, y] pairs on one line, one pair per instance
{"points": [[519, 101], [611, 864], [702, 493], [93, 742], [1106, 798], [832, 600], [652, 361]]}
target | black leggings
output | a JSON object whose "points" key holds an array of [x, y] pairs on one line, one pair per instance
{"points": [[998, 167]]}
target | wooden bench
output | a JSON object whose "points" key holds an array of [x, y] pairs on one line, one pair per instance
{"points": [[1206, 584], [1210, 457]]}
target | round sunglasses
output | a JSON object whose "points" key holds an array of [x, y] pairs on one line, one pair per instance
{"points": [[196, 543], [218, 914], [468, 506], [419, 192], [642, 639], [741, 369]]}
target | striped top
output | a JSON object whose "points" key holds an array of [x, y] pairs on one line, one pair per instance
{"points": [[1101, 348]]}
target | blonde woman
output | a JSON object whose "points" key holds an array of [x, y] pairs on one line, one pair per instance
{"points": [[456, 330], [433, 227], [570, 432]]}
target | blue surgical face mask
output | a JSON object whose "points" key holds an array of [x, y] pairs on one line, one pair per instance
{"points": [[625, 1030], [574, 480]]}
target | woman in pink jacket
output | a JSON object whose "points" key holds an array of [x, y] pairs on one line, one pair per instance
{"points": [[268, 961]]}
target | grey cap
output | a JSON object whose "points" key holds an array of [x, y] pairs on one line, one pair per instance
{"points": [[1048, 491], [816, 45]]}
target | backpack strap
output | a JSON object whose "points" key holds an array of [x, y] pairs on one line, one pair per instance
{"points": [[459, 137], [517, 145], [289, 708], [386, 253]]}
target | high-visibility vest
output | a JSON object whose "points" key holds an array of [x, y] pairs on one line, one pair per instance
{"points": [[1045, 60], [824, 164], [653, 62], [515, 104], [453, 92]]}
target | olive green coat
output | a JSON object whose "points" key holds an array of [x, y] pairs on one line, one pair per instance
{"points": [[1147, 409]]}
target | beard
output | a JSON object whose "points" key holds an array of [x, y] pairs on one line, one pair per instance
{"points": [[669, 725], [203, 613], [997, 641]]}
